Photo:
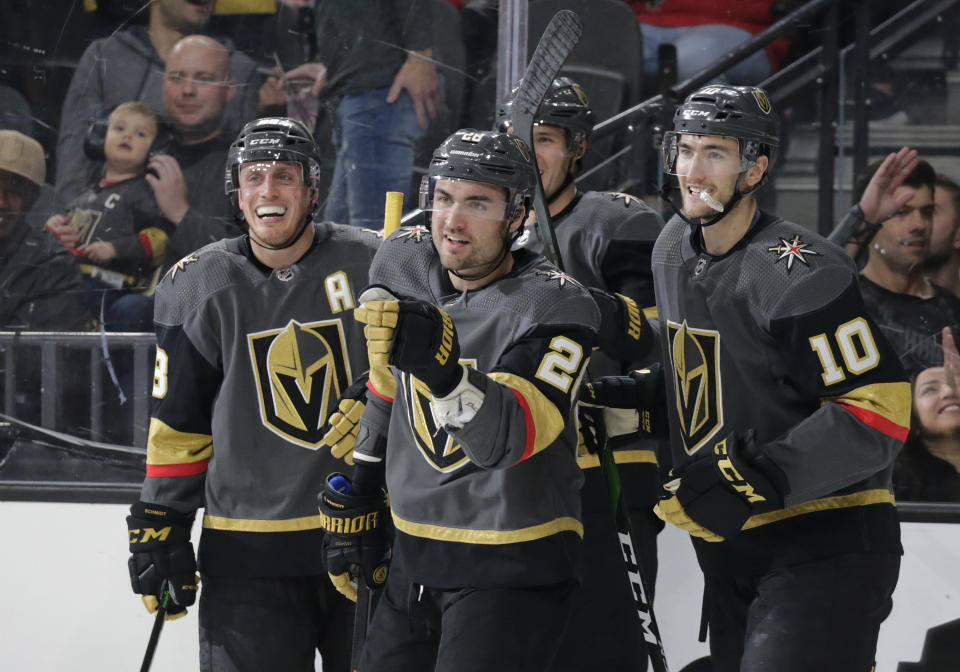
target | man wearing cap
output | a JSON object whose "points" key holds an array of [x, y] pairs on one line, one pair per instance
{"points": [[39, 280]]}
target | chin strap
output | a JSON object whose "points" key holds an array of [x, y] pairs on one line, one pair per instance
{"points": [[664, 194]]}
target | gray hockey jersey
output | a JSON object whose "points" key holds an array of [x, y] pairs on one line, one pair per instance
{"points": [[773, 336], [250, 362], [496, 503], [606, 241]]}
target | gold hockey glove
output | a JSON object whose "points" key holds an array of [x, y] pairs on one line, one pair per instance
{"points": [[713, 497], [413, 336], [343, 423]]}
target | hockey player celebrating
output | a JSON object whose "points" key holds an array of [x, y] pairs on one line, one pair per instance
{"points": [[477, 353], [255, 342], [787, 407], [605, 240]]}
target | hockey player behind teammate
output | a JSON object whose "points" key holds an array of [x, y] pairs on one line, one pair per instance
{"points": [[255, 343], [605, 241], [115, 226], [472, 423], [787, 408]]}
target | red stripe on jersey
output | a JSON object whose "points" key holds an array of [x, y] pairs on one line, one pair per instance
{"points": [[878, 422], [374, 390], [529, 425], [147, 245], [188, 469]]}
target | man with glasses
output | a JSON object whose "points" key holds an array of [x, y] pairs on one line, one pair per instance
{"points": [[129, 65]]}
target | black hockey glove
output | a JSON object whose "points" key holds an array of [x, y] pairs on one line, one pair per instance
{"points": [[162, 557], [713, 497], [627, 404], [413, 336], [624, 332], [343, 423], [355, 544]]}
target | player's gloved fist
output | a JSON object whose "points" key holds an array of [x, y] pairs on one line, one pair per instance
{"points": [[355, 545], [413, 336], [162, 557], [713, 497], [345, 421], [624, 332], [641, 393]]}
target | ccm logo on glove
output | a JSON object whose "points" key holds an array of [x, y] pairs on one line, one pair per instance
{"points": [[737, 482]]}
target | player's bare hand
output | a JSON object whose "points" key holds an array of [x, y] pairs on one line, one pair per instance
{"points": [[169, 187], [878, 202], [272, 94], [418, 75], [100, 252], [315, 71], [59, 225]]}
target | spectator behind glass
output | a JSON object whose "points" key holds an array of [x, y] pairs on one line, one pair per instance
{"points": [[376, 61], [943, 264], [188, 180], [928, 468], [703, 31], [116, 226], [906, 306], [128, 65], [39, 280]]}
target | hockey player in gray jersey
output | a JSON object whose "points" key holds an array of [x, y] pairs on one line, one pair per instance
{"points": [[255, 342], [787, 407], [605, 240], [477, 353]]}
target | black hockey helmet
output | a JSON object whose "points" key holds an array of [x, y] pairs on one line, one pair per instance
{"points": [[272, 139], [496, 158], [742, 112], [565, 105]]}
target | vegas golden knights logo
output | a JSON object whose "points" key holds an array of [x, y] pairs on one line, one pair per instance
{"points": [[300, 371], [762, 101], [695, 363], [434, 443]]}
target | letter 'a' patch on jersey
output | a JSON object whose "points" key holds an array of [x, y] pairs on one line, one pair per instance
{"points": [[300, 371], [695, 363], [436, 446]]}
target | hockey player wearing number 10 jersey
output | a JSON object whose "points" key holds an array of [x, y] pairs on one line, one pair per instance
{"points": [[787, 408], [486, 351], [255, 342]]}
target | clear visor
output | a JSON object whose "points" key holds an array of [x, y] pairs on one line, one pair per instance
{"points": [[693, 155], [446, 197], [281, 173]]}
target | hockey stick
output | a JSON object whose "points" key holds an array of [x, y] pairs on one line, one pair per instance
{"points": [[558, 40], [392, 209], [155, 633]]}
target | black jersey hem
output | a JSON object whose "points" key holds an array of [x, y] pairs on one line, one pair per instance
{"points": [[450, 565], [873, 528], [260, 554]]}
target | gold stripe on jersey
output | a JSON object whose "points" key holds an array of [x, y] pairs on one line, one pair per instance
{"points": [[383, 383], [245, 525], [864, 498], [166, 445], [591, 461], [546, 419], [891, 401], [650, 312], [488, 537]]}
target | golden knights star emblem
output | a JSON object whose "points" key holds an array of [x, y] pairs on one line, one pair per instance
{"points": [[792, 250], [415, 233], [627, 198], [181, 265], [559, 276]]}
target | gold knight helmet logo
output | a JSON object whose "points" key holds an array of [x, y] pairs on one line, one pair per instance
{"points": [[300, 370], [695, 362], [436, 446]]}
